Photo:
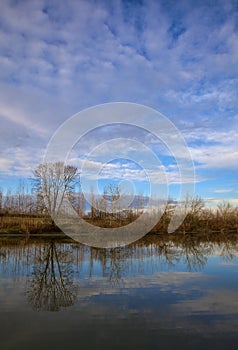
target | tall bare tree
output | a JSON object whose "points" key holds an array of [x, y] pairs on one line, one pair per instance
{"points": [[54, 181]]}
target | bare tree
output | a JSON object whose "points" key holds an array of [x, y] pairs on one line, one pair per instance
{"points": [[92, 210], [53, 181], [80, 203], [8, 202], [225, 214], [1, 200], [114, 197], [103, 205]]}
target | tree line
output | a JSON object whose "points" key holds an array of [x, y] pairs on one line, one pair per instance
{"points": [[34, 210]]}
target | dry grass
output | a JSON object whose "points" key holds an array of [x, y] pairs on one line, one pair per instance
{"points": [[25, 224]]}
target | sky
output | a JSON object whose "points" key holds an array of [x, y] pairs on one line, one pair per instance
{"points": [[58, 58]]}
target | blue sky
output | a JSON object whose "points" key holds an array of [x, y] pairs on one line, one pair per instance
{"points": [[178, 57]]}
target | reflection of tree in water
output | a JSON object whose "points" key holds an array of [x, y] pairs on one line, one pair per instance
{"points": [[114, 262], [229, 248], [150, 252], [52, 284], [195, 254]]}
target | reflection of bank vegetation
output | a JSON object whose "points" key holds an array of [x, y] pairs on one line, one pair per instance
{"points": [[52, 266]]}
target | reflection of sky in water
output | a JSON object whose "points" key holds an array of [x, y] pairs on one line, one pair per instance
{"points": [[141, 295]]}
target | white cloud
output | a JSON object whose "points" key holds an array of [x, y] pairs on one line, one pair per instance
{"points": [[223, 157], [223, 190]]}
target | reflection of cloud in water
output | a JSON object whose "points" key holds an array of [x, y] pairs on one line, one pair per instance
{"points": [[219, 302], [214, 312], [169, 300], [228, 263], [11, 296], [162, 281]]}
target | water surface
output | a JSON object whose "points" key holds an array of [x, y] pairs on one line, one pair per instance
{"points": [[157, 293]]}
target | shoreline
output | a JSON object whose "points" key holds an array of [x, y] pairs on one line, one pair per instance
{"points": [[57, 234]]}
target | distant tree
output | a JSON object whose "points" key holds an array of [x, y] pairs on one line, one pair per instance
{"points": [[1, 200], [79, 201], [225, 214], [21, 198], [114, 198], [8, 202], [194, 207], [54, 181], [103, 205]]}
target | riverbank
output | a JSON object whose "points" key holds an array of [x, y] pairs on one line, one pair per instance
{"points": [[35, 226], [199, 220], [149, 237]]}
